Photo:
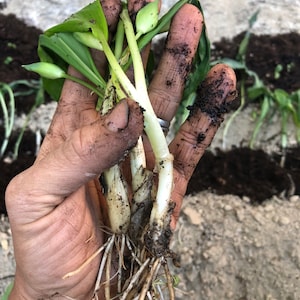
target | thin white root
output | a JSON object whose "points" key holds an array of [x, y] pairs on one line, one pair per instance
{"points": [[107, 281], [134, 279], [67, 297], [132, 252], [121, 264], [142, 273], [109, 245], [152, 274], [169, 282]]}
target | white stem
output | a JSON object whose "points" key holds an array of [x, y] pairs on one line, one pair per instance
{"points": [[117, 200], [137, 158], [164, 160]]}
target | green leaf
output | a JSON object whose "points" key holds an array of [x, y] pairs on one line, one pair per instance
{"points": [[234, 64], [255, 92], [74, 53], [88, 39], [277, 71], [282, 98], [90, 18], [241, 56], [253, 19], [64, 50], [265, 107]]}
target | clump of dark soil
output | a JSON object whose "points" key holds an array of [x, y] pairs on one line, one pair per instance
{"points": [[241, 171], [250, 173], [264, 54]]}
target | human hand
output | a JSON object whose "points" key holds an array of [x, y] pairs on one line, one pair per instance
{"points": [[56, 207]]}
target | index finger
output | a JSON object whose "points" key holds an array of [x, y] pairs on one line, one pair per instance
{"points": [[166, 88]]}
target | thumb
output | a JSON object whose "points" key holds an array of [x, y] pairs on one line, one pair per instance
{"points": [[87, 153]]}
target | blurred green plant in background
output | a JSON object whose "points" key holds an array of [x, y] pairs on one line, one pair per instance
{"points": [[8, 94], [270, 102]]}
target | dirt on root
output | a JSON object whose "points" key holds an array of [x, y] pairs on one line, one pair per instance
{"points": [[238, 171]]}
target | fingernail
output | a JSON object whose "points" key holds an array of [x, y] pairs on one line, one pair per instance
{"points": [[118, 117]]}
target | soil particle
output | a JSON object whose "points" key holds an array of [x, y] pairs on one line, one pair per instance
{"points": [[181, 52], [201, 137], [180, 49]]}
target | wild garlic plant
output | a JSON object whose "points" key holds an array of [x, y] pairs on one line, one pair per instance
{"points": [[68, 43]]}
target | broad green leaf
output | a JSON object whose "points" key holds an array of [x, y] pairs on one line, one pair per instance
{"points": [[64, 50], [162, 25], [90, 18], [53, 87], [72, 52]]}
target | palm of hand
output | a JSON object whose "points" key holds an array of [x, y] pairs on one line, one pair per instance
{"points": [[67, 227]]}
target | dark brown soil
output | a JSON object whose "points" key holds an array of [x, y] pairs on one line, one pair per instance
{"points": [[240, 171], [264, 54], [250, 173]]}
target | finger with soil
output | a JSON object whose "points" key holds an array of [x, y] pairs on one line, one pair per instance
{"points": [[215, 97], [111, 9], [166, 88]]}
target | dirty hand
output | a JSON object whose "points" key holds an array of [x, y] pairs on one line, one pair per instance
{"points": [[56, 207]]}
